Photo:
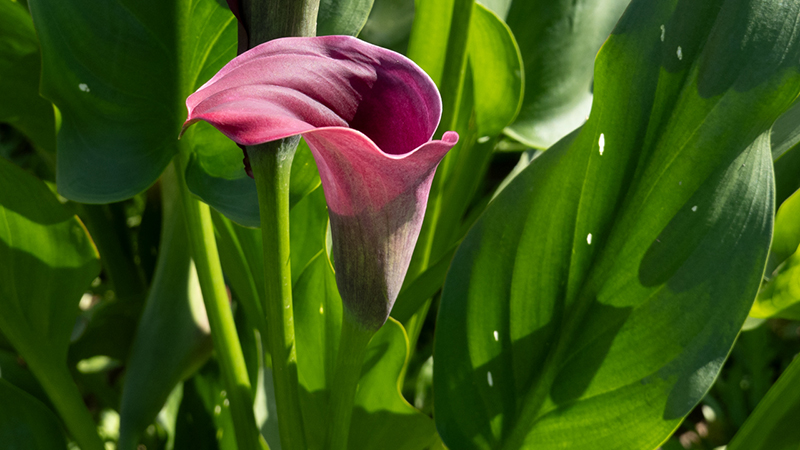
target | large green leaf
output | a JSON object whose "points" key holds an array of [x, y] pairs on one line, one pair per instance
{"points": [[172, 339], [496, 65], [773, 425], [382, 419], [47, 260], [342, 16], [558, 40], [20, 65], [594, 302], [120, 74], [25, 423]]}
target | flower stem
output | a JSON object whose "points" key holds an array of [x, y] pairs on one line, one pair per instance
{"points": [[220, 318], [350, 358], [272, 164]]}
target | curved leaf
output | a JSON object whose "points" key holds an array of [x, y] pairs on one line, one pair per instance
{"points": [[342, 16], [119, 74], [496, 66], [25, 423], [558, 41], [47, 260], [382, 419], [595, 301]]}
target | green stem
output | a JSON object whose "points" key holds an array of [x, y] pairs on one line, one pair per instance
{"points": [[220, 318], [62, 391], [350, 358], [272, 165]]}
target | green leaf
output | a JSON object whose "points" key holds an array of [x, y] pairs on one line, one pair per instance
{"points": [[342, 16], [172, 339], [25, 423], [496, 66], [773, 425], [382, 419], [20, 65], [558, 41], [596, 299], [120, 74], [48, 260], [780, 295]]}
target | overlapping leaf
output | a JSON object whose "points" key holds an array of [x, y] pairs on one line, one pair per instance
{"points": [[28, 425], [558, 41], [649, 225], [382, 419], [48, 260]]}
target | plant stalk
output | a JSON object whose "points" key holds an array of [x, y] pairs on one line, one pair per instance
{"points": [[272, 19], [350, 358], [272, 165], [220, 318]]}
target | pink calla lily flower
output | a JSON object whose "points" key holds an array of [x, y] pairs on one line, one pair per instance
{"points": [[368, 115]]}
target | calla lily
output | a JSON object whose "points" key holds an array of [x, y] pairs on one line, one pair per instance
{"points": [[368, 115]]}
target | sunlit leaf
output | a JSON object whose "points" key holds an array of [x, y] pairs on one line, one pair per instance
{"points": [[558, 41], [650, 224]]}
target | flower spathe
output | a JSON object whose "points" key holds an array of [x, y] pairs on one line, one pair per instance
{"points": [[368, 115]]}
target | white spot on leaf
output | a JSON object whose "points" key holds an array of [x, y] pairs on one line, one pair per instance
{"points": [[321, 309], [589, 239], [483, 139], [83, 87], [489, 379], [694, 208], [496, 335], [663, 32], [602, 143], [680, 53]]}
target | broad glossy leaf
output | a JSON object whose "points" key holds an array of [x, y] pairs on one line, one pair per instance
{"points": [[342, 16], [20, 65], [382, 419], [773, 425], [119, 74], [172, 339], [496, 65], [558, 40], [25, 423], [596, 299]]}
